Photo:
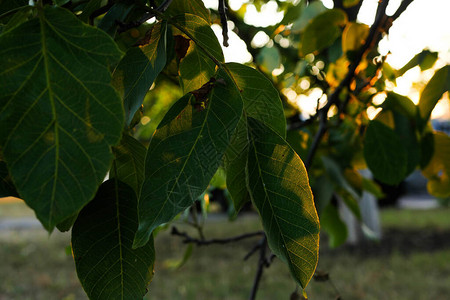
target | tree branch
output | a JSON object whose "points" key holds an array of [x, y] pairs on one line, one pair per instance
{"points": [[262, 262], [372, 39], [223, 19], [202, 242]]}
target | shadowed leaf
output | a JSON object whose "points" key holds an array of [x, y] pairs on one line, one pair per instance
{"points": [[102, 236], [128, 165], [59, 115], [138, 70], [262, 102], [185, 152], [385, 153], [279, 188]]}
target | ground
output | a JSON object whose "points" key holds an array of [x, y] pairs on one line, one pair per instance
{"points": [[410, 262]]}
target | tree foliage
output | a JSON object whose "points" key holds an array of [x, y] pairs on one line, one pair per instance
{"points": [[139, 92]]}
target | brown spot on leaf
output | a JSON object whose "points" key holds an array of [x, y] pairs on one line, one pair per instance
{"points": [[181, 46]]}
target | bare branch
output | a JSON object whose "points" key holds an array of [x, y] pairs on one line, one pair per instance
{"points": [[202, 242]]}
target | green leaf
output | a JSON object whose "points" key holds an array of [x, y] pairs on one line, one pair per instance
{"points": [[65, 225], [196, 68], [6, 185], [117, 13], [7, 8], [59, 115], [400, 104], [438, 169], [293, 12], [336, 176], [194, 7], [323, 190], [308, 14], [200, 32], [354, 36], [89, 8], [139, 68], [261, 99], [261, 102], [438, 85], [107, 266], [128, 165], [279, 188], [331, 222], [323, 31], [185, 152], [269, 59], [235, 163], [424, 59], [385, 153], [405, 130]]}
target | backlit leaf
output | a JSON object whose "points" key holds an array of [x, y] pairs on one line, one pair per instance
{"points": [[354, 36], [185, 152], [385, 153], [424, 59], [438, 85], [438, 169], [196, 68], [279, 188], [262, 102], [139, 68], [102, 236], [59, 115]]}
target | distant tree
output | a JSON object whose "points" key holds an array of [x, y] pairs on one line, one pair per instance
{"points": [[84, 84]]}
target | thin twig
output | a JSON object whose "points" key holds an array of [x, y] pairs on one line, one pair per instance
{"points": [[373, 38], [262, 262], [203, 242], [223, 19], [147, 16]]}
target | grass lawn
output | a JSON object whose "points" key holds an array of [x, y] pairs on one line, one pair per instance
{"points": [[411, 262]]}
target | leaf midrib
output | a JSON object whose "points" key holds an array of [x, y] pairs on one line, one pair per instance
{"points": [[53, 106]]}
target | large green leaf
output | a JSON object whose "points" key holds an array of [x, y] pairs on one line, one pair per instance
{"points": [[185, 152], [280, 190], [196, 68], [128, 165], [59, 115], [261, 99], [139, 68], [438, 85], [194, 7], [385, 153], [262, 102], [323, 31], [6, 185], [102, 236]]}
